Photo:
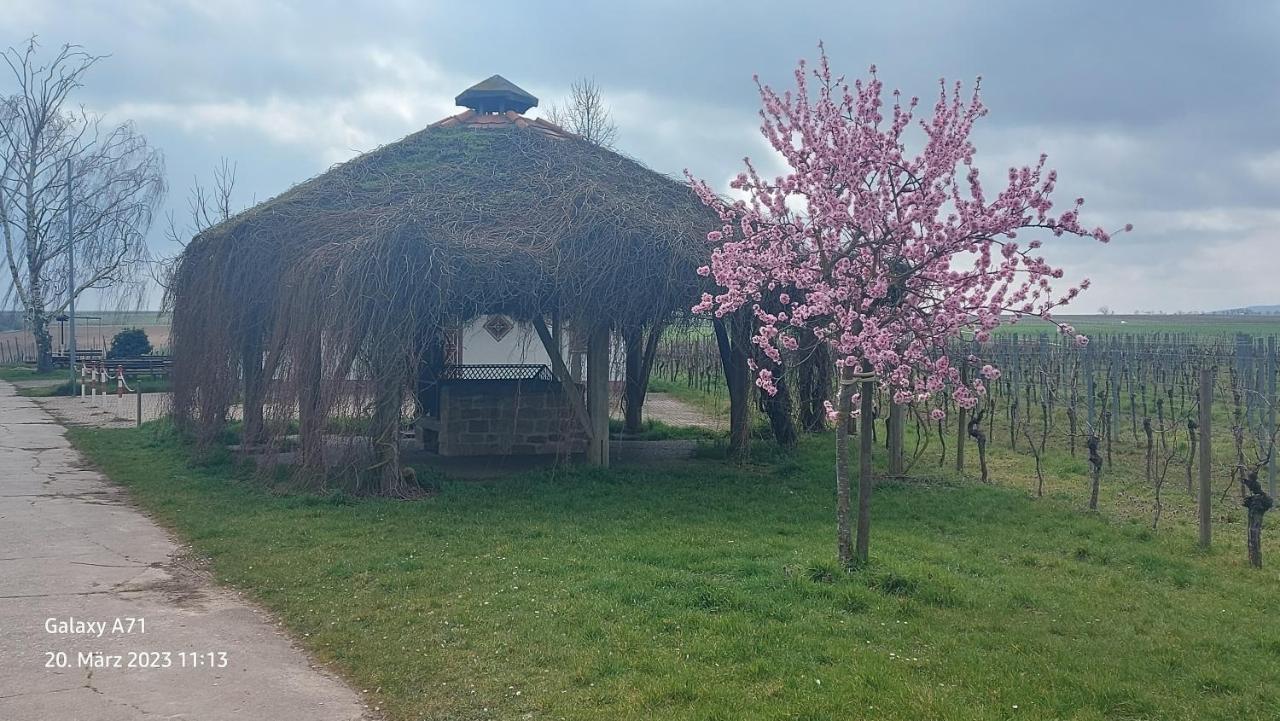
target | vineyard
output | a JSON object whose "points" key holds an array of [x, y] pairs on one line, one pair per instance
{"points": [[1121, 416]]}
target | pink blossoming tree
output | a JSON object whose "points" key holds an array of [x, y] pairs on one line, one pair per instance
{"points": [[885, 255]]}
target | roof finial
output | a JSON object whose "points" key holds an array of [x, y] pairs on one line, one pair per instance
{"points": [[496, 95]]}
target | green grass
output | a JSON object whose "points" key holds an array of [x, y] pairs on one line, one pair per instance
{"points": [[28, 373], [708, 591], [651, 430]]}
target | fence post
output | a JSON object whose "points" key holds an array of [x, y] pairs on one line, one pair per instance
{"points": [[1271, 413], [1206, 455], [894, 430], [139, 395], [1089, 390]]}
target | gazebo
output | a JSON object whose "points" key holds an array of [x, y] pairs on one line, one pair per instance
{"points": [[343, 304]]}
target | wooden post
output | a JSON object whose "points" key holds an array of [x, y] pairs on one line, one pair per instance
{"points": [[862, 534], [598, 396], [1271, 413], [844, 529], [894, 431], [962, 429], [139, 394], [1206, 454], [1092, 405]]}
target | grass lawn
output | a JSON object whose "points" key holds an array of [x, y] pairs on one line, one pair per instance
{"points": [[707, 591], [28, 373]]}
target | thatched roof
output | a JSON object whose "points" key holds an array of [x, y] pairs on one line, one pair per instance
{"points": [[521, 215], [496, 95], [479, 213]]}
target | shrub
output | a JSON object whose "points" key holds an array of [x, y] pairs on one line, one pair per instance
{"points": [[129, 343]]}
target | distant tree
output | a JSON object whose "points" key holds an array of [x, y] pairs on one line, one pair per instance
{"points": [[206, 207], [585, 113], [116, 178], [129, 343], [886, 256], [1104, 310]]}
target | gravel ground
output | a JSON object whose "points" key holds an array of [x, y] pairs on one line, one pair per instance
{"points": [[108, 411], [44, 383], [105, 411], [674, 412]]}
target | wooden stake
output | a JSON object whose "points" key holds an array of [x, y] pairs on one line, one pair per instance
{"points": [[1206, 454], [598, 396]]}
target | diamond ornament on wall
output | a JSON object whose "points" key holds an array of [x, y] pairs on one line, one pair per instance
{"points": [[498, 326]]}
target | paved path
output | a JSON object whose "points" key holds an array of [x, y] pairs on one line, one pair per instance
{"points": [[72, 549]]}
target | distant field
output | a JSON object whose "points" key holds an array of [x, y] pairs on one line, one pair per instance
{"points": [[95, 329], [1198, 325]]}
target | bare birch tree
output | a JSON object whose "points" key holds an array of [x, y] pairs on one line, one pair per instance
{"points": [[206, 207], [116, 181], [584, 113]]}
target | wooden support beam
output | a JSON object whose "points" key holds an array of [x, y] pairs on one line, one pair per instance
{"points": [[566, 380], [598, 396]]}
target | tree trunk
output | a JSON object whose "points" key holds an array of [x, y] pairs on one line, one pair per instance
{"points": [[633, 389], [980, 440], [311, 405], [1095, 471], [814, 378], [384, 433], [40, 329], [252, 375], [864, 471], [1256, 503], [731, 338], [778, 409], [1257, 506], [641, 349], [1071, 429], [844, 529]]}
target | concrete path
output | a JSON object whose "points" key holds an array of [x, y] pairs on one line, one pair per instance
{"points": [[74, 551]]}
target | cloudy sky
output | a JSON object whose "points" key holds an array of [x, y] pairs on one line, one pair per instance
{"points": [[1166, 115]]}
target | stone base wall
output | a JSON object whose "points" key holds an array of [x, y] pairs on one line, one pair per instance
{"points": [[507, 418]]}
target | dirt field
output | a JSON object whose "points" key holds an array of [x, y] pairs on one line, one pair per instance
{"points": [[90, 333]]}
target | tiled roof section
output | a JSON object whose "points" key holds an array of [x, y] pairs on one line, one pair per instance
{"points": [[472, 119]]}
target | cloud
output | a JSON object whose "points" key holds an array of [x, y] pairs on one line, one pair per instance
{"points": [[404, 94], [1163, 119]]}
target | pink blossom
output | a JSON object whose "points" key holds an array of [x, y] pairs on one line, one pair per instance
{"points": [[886, 254], [937, 414]]}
